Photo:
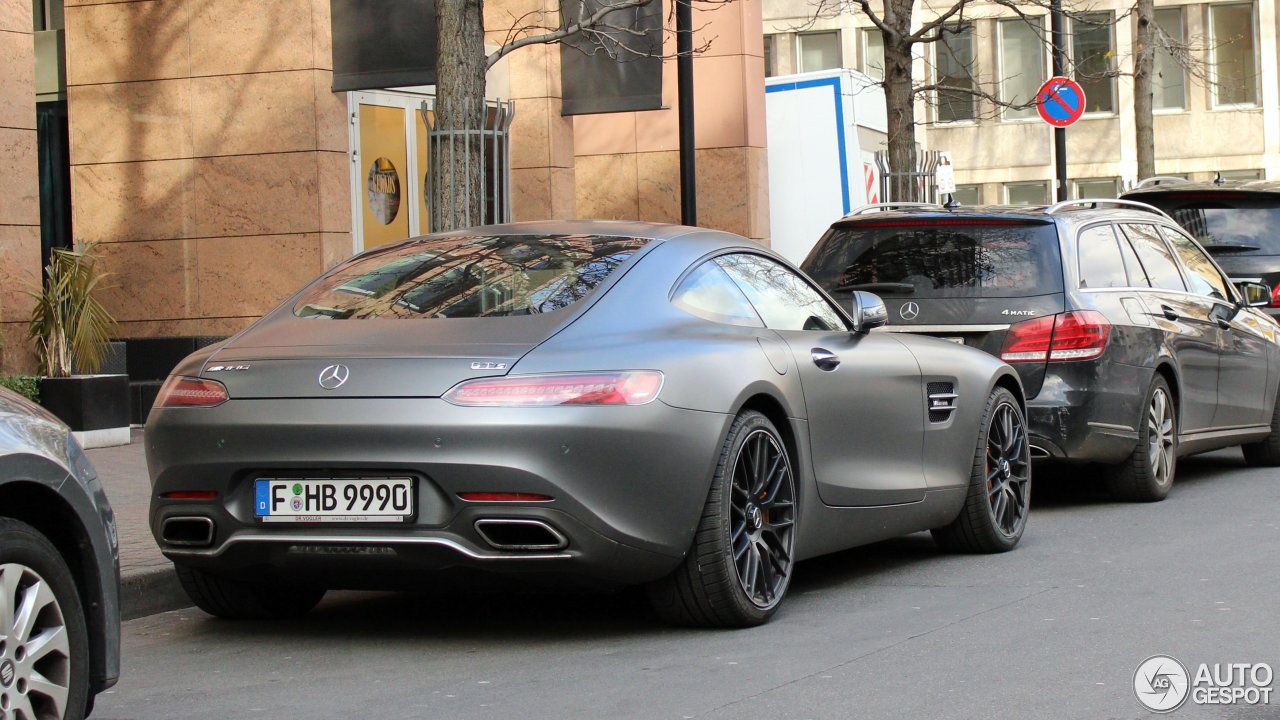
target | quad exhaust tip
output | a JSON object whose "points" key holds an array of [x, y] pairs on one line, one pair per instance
{"points": [[196, 531], [520, 534]]}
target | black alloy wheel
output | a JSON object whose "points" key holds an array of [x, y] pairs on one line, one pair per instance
{"points": [[740, 564], [998, 498], [1008, 469], [762, 518]]}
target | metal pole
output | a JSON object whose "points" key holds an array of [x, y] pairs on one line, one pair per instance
{"points": [[684, 92], [1059, 68]]}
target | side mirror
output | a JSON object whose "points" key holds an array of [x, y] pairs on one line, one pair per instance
{"points": [[868, 311], [1255, 294]]}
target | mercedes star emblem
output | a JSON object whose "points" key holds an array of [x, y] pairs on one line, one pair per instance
{"points": [[909, 311], [332, 377]]}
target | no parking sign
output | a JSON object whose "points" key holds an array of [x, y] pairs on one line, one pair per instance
{"points": [[1060, 101]]}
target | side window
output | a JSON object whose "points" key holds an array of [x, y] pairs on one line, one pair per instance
{"points": [[1156, 259], [1101, 265], [1137, 276], [1202, 277], [782, 298], [709, 293]]}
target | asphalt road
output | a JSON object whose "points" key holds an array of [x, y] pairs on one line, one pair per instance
{"points": [[897, 630]]}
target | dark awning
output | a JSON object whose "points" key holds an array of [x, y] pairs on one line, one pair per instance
{"points": [[383, 44], [619, 72]]}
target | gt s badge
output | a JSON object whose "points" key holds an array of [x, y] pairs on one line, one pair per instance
{"points": [[488, 366], [1018, 312]]}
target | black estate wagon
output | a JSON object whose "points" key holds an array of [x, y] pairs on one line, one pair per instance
{"points": [[1133, 346]]}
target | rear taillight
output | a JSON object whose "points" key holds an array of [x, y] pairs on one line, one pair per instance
{"points": [[634, 387], [1076, 335], [180, 391], [1275, 296]]}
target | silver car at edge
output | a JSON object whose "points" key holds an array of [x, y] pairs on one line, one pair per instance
{"points": [[618, 403], [59, 570]]}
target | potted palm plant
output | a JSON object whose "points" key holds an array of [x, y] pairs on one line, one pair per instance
{"points": [[71, 330]]}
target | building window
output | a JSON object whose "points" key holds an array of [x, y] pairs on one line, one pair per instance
{"points": [[1097, 188], [770, 55], [968, 194], [1169, 77], [953, 62], [1093, 53], [1242, 174], [819, 51], [1021, 66], [1027, 193], [873, 53], [1231, 49]]}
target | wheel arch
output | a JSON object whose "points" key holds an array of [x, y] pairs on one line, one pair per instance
{"points": [[772, 408], [1009, 381], [41, 507], [1166, 370]]}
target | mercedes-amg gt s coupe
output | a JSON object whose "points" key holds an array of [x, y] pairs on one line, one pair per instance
{"points": [[631, 403]]}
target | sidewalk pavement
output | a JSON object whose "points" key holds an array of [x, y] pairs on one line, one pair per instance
{"points": [[148, 584]]}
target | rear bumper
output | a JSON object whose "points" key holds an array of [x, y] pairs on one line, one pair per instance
{"points": [[628, 486], [1087, 411]]}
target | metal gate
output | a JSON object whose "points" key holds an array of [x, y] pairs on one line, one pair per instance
{"points": [[489, 145], [923, 176]]}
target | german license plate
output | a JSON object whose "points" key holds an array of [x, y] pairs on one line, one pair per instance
{"points": [[315, 500]]}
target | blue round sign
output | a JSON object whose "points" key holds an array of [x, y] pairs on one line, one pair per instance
{"points": [[1060, 101]]}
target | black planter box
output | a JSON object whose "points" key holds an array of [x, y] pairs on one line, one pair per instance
{"points": [[88, 402]]}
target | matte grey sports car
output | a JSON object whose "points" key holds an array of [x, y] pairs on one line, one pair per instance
{"points": [[619, 402]]}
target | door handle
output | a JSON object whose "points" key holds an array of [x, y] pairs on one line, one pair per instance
{"points": [[1169, 313], [825, 359]]}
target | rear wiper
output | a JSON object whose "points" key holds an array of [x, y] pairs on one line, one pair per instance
{"points": [[1231, 248], [899, 287]]}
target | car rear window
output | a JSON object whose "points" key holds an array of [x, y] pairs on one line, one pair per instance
{"points": [[1232, 229], [468, 277], [942, 260]]}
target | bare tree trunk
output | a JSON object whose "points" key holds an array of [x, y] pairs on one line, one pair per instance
{"points": [[900, 101], [459, 183], [1143, 65]]}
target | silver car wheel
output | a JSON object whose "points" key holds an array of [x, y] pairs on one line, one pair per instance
{"points": [[1160, 436], [35, 652]]}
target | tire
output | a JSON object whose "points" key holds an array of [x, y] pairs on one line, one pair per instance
{"points": [[237, 600], [1147, 474], [998, 500], [740, 565], [46, 659], [1266, 452]]}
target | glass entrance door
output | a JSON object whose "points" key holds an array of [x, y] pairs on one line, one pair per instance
{"points": [[388, 168]]}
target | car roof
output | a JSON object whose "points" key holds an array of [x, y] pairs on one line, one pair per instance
{"points": [[1166, 186], [1086, 210]]}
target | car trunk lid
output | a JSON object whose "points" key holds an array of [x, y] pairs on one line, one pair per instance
{"points": [[394, 360]]}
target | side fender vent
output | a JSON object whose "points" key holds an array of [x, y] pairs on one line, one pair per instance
{"points": [[942, 401]]}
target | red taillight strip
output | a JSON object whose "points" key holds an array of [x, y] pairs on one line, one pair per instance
{"points": [[630, 387], [940, 222], [190, 495], [503, 497], [182, 391]]}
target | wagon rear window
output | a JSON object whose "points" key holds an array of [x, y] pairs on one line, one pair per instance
{"points": [[939, 260], [468, 277]]}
